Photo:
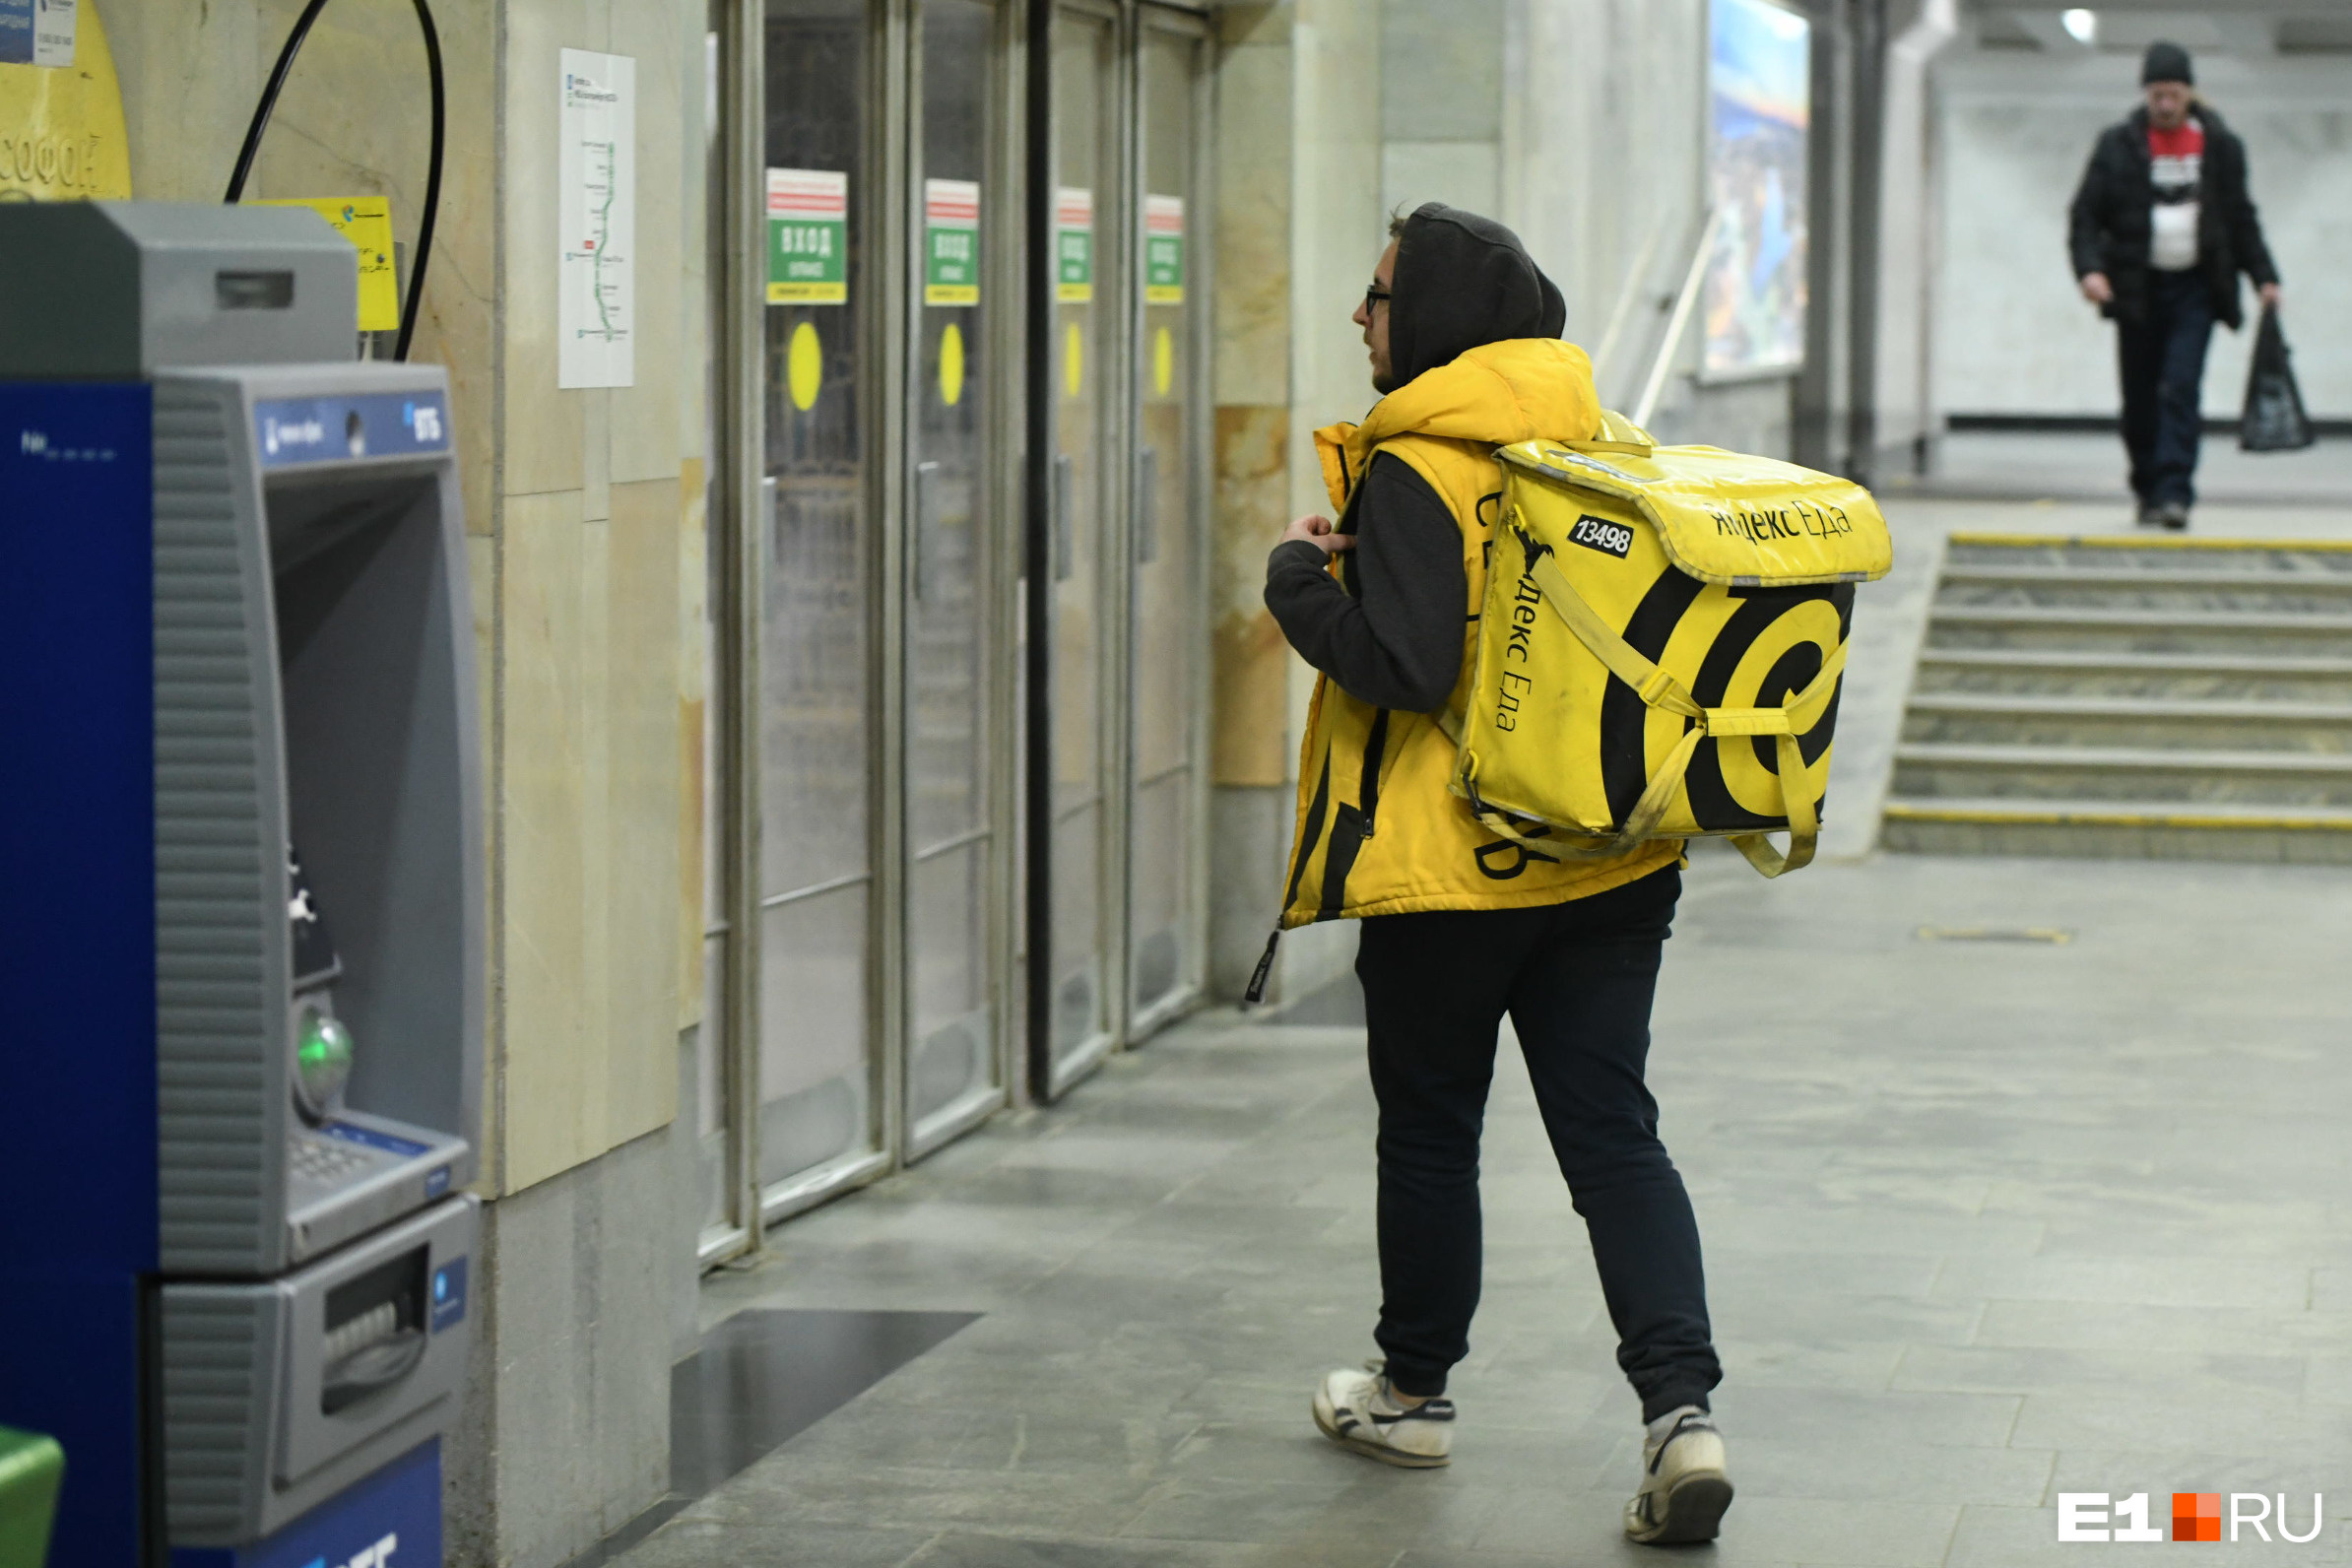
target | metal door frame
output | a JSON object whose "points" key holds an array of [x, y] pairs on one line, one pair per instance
{"points": [[735, 541], [1114, 264], [1192, 985], [883, 323], [1001, 258]]}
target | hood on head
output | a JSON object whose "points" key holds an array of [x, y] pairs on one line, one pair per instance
{"points": [[1463, 282]]}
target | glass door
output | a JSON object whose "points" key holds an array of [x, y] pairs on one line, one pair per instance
{"points": [[1167, 869], [816, 560], [953, 528], [1086, 654]]}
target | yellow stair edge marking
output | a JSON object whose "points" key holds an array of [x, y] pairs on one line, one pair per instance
{"points": [[2035, 818], [2147, 542]]}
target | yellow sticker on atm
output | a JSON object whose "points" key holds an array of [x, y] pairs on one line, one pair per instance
{"points": [[367, 222]]}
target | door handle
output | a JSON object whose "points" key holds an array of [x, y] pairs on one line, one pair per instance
{"points": [[923, 541], [1065, 516], [1148, 506]]}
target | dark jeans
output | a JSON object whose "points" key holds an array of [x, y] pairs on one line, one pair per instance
{"points": [[2162, 357], [1577, 979]]}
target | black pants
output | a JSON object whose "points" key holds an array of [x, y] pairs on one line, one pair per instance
{"points": [[1577, 979], [2162, 359]]}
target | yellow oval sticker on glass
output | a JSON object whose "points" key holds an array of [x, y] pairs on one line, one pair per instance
{"points": [[804, 366], [951, 364], [1074, 361], [1163, 363]]}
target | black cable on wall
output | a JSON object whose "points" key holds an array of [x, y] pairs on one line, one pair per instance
{"points": [[432, 176]]}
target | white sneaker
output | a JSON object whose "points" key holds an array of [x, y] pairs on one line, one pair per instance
{"points": [[1685, 1491], [1359, 1411]]}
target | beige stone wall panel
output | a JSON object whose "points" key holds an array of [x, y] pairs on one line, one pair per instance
{"points": [[645, 438], [589, 810], [1253, 209], [189, 74], [694, 690], [545, 435], [1250, 743]]}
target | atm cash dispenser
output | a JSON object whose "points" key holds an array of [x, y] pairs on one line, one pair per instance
{"points": [[240, 895]]}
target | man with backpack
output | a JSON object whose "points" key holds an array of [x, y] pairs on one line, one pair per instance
{"points": [[2160, 230], [1461, 927]]}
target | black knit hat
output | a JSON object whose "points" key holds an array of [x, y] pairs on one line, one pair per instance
{"points": [[2167, 62]]}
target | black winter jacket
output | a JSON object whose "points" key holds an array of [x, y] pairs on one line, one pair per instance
{"points": [[2110, 227]]}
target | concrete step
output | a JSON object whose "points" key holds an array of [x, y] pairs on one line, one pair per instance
{"points": [[2150, 552], [2128, 587], [2197, 677], [1928, 769], [2117, 830], [2241, 633], [2160, 723]]}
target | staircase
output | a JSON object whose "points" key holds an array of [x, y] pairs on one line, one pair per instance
{"points": [[2128, 696]]}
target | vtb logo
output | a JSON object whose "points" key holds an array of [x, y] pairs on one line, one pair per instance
{"points": [[2196, 1515]]}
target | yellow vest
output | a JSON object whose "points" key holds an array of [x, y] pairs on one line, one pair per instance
{"points": [[1380, 832]]}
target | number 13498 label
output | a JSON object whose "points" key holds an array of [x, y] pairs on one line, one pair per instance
{"points": [[1599, 533]]}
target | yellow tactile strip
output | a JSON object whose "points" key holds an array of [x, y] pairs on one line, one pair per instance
{"points": [[2044, 819], [2147, 542]]}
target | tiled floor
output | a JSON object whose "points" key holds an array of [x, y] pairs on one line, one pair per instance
{"points": [[1984, 1221]]}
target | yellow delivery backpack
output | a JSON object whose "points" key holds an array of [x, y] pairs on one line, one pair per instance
{"points": [[1661, 647]]}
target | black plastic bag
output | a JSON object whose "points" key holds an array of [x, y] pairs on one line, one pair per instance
{"points": [[2274, 421]]}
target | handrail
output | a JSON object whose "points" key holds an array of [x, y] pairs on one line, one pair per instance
{"points": [[1635, 277], [1685, 304]]}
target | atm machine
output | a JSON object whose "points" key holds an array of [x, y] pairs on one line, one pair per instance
{"points": [[240, 895]]}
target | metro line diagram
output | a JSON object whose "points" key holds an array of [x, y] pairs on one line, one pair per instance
{"points": [[596, 249]]}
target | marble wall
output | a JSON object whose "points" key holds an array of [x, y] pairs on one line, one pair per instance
{"points": [[1298, 227], [585, 510], [585, 507], [2011, 334]]}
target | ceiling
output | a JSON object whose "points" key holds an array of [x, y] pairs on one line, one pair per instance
{"points": [[2226, 27]]}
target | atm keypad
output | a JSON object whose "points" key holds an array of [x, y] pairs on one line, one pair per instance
{"points": [[326, 1161]]}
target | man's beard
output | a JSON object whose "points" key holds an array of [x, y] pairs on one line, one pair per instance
{"points": [[1383, 384]]}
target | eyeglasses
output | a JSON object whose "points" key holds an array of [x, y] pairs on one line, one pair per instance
{"points": [[1375, 296]]}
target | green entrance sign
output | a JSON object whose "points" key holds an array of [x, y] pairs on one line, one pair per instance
{"points": [[951, 242], [1074, 245], [1163, 251], [807, 236]]}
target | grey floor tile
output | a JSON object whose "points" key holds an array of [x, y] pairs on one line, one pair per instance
{"points": [[710, 1544], [963, 1550], [2208, 1416], [2020, 1538], [1981, 1224], [2133, 1280], [1887, 1471], [2159, 1330], [1405, 1507], [1587, 1528], [1842, 1418], [2186, 1378]]}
